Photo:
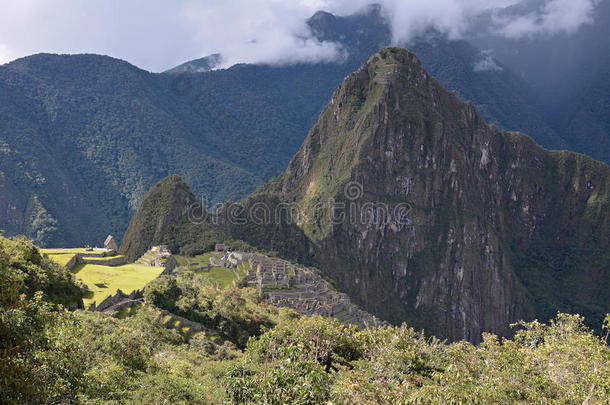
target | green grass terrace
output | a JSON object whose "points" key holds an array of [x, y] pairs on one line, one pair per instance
{"points": [[103, 281]]}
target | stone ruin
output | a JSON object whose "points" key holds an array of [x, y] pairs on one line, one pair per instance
{"points": [[161, 250], [284, 284], [110, 244], [113, 303], [229, 259], [156, 256]]}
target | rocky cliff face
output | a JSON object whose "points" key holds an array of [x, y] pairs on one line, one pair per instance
{"points": [[449, 224]]}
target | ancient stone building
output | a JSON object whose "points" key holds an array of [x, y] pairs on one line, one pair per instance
{"points": [[110, 243]]}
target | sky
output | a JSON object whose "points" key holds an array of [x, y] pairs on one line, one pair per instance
{"points": [[158, 35]]}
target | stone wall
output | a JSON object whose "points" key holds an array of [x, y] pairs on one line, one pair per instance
{"points": [[90, 258], [73, 262], [104, 262], [117, 301]]}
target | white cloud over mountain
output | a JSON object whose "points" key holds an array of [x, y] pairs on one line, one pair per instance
{"points": [[161, 34]]}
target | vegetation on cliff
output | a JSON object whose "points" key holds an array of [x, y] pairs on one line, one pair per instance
{"points": [[31, 271], [166, 203]]}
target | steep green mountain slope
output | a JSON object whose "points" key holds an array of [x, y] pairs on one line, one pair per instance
{"points": [[165, 204], [435, 218], [449, 223], [88, 137]]}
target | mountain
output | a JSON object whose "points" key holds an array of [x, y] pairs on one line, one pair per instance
{"points": [[166, 203], [424, 213], [491, 227], [83, 134]]}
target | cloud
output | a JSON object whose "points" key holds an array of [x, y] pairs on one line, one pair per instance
{"points": [[486, 63], [274, 31], [161, 34], [410, 18], [553, 17], [6, 55], [258, 31]]}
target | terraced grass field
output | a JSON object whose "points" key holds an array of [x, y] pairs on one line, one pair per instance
{"points": [[224, 276], [106, 280], [62, 259], [106, 257], [63, 256], [68, 251]]}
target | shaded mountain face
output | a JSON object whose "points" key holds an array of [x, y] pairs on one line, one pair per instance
{"points": [[164, 205], [441, 220]]}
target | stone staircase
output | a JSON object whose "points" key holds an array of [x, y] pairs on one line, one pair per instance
{"points": [[151, 258]]}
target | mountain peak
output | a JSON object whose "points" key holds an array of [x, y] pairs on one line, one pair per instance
{"points": [[165, 204], [200, 65], [390, 62]]}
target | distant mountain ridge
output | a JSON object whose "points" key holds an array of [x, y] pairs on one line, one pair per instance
{"points": [[204, 64]]}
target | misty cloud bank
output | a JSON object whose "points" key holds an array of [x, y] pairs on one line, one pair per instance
{"points": [[159, 35], [550, 18], [276, 32]]}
